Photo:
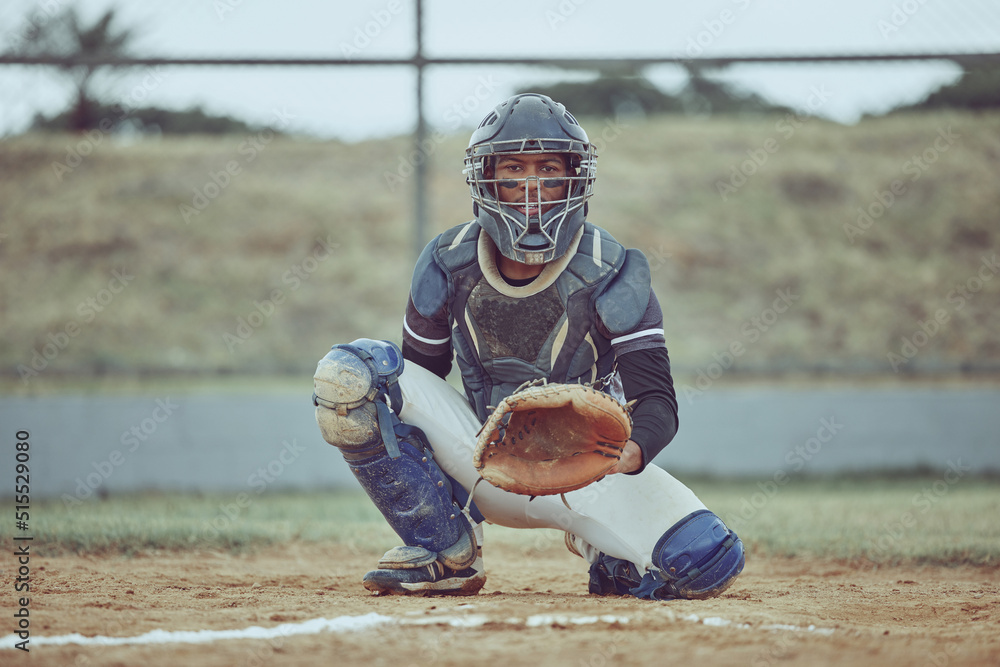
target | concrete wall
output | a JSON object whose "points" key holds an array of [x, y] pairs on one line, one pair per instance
{"points": [[252, 443]]}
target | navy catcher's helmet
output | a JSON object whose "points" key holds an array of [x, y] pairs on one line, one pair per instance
{"points": [[530, 124]]}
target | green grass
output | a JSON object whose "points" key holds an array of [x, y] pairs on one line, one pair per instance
{"points": [[878, 520], [716, 264], [134, 523], [861, 520]]}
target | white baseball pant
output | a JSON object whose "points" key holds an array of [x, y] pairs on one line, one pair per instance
{"points": [[622, 515]]}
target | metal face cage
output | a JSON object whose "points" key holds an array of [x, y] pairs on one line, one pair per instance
{"points": [[535, 235]]}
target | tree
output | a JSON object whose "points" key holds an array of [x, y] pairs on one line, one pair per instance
{"points": [[155, 120], [65, 35], [610, 95], [978, 89], [607, 96]]}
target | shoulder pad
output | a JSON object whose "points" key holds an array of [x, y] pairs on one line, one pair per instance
{"points": [[624, 301], [597, 255], [448, 251], [457, 247], [429, 287]]}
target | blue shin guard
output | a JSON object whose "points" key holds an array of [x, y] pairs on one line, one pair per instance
{"points": [[356, 398], [415, 498], [699, 557]]}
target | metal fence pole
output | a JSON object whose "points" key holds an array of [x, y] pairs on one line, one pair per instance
{"points": [[420, 197]]}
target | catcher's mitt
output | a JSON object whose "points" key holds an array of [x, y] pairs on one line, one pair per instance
{"points": [[552, 438]]}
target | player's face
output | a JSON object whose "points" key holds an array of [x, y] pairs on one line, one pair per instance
{"points": [[532, 180]]}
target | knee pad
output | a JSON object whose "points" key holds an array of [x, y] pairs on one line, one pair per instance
{"points": [[357, 398], [353, 389], [699, 557]]}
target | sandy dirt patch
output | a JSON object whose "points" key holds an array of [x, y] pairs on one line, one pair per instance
{"points": [[532, 611]]}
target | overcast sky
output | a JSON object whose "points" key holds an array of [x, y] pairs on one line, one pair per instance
{"points": [[356, 103]]}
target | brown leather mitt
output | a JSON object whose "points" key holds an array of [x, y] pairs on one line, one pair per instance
{"points": [[552, 438]]}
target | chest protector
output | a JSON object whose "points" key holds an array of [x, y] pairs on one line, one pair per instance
{"points": [[504, 335]]}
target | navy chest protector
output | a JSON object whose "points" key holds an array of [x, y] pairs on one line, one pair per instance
{"points": [[505, 336]]}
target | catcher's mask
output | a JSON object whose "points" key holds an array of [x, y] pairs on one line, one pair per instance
{"points": [[530, 124]]}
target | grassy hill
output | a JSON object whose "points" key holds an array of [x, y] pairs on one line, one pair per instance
{"points": [[785, 243]]}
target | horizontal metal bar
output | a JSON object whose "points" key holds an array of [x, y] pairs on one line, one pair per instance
{"points": [[568, 63]]}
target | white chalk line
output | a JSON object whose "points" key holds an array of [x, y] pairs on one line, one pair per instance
{"points": [[362, 623]]}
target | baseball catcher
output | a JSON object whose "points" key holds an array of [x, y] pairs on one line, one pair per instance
{"points": [[559, 342]]}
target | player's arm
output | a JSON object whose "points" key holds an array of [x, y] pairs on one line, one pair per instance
{"points": [[426, 342], [426, 328], [644, 365], [646, 379]]}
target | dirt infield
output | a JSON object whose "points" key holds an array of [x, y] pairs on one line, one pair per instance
{"points": [[533, 610]]}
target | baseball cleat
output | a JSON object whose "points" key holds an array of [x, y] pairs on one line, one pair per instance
{"points": [[431, 578]]}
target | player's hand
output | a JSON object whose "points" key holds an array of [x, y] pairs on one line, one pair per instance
{"points": [[631, 459]]}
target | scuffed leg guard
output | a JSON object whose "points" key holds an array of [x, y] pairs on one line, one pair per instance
{"points": [[415, 498], [356, 389], [699, 557]]}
